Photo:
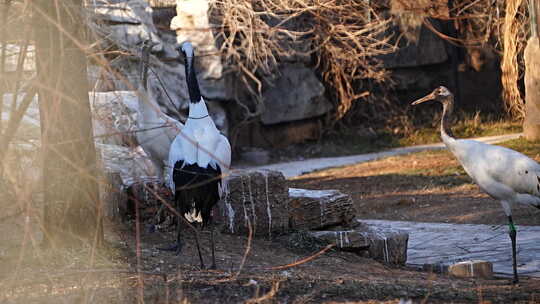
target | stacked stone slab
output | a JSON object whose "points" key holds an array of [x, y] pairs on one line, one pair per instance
{"points": [[317, 209], [261, 201], [257, 199], [388, 246]]}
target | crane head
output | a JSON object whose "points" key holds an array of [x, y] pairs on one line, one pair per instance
{"points": [[440, 94]]}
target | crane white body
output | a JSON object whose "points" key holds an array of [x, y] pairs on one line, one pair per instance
{"points": [[156, 131], [200, 143], [504, 174]]}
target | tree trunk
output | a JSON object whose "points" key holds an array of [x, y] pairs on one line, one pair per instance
{"points": [[72, 213], [531, 123]]}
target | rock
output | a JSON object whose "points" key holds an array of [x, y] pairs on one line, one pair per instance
{"points": [[126, 25], [389, 246], [386, 245], [317, 209], [169, 90], [259, 198], [151, 196], [191, 23], [217, 111], [472, 269], [255, 157], [162, 3], [438, 267], [344, 239], [279, 135], [131, 164], [417, 79], [113, 195], [115, 117], [430, 49], [296, 94]]}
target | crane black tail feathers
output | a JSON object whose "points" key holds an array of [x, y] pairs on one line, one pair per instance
{"points": [[196, 189]]}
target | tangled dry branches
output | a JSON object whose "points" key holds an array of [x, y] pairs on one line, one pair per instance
{"points": [[501, 26], [343, 36]]}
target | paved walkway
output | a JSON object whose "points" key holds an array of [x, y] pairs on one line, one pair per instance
{"points": [[440, 244], [296, 168]]}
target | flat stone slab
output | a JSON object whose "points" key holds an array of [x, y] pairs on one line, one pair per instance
{"points": [[441, 244], [317, 209], [472, 269], [388, 246]]}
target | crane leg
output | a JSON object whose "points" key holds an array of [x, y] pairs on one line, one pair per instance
{"points": [[178, 237], [213, 266], [512, 232], [199, 250], [176, 246]]}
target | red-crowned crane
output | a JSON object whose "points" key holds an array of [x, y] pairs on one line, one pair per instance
{"points": [[199, 161], [504, 174], [156, 130]]}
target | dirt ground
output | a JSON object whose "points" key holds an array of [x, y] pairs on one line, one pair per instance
{"points": [[47, 276], [427, 186]]}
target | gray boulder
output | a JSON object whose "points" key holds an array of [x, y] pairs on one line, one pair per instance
{"points": [[429, 49], [296, 94]]}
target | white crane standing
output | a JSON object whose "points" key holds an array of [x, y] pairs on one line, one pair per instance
{"points": [[199, 161], [156, 129], [504, 174]]}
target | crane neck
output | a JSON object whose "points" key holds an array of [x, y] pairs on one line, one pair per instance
{"points": [[148, 107], [448, 109], [198, 112], [191, 79]]}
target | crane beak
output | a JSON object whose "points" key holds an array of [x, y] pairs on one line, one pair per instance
{"points": [[424, 99]]}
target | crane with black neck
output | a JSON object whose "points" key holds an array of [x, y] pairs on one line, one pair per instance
{"points": [[199, 161]]}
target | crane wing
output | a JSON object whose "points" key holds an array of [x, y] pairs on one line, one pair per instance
{"points": [[222, 159], [174, 127], [508, 167], [176, 154], [515, 170]]}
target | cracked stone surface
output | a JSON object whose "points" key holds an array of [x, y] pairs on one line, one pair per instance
{"points": [[441, 244]]}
